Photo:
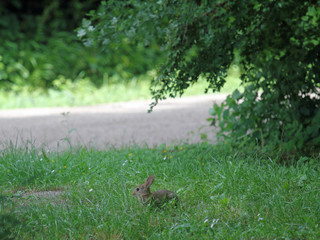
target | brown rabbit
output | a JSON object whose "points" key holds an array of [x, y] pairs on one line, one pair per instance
{"points": [[145, 196]]}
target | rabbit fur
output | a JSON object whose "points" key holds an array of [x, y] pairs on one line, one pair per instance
{"points": [[145, 196]]}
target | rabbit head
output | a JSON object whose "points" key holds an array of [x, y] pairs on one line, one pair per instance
{"points": [[142, 192]]}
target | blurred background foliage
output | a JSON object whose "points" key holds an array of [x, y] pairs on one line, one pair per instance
{"points": [[39, 48]]}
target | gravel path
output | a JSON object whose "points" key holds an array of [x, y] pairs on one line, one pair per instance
{"points": [[117, 124]]}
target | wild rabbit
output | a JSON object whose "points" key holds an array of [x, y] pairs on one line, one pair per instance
{"points": [[145, 196]]}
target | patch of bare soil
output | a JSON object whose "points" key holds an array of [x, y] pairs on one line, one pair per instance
{"points": [[43, 194], [25, 199]]}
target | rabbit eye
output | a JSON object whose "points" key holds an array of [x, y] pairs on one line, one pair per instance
{"points": [[137, 189]]}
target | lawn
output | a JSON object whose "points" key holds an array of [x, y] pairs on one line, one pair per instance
{"points": [[223, 194]]}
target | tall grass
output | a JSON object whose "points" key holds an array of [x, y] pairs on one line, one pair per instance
{"points": [[223, 193]]}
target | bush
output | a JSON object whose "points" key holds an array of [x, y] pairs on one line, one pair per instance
{"points": [[278, 43], [279, 107]]}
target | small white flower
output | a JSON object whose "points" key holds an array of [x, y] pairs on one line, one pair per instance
{"points": [[164, 158], [52, 171], [260, 218], [90, 190], [41, 159], [124, 162], [214, 222]]}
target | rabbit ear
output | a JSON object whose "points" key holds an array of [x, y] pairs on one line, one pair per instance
{"points": [[149, 181]]}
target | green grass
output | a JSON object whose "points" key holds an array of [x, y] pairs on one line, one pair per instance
{"points": [[83, 93], [223, 193]]}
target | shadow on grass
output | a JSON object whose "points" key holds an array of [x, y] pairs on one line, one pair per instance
{"points": [[8, 221]]}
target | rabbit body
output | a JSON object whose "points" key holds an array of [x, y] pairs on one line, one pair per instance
{"points": [[145, 196]]}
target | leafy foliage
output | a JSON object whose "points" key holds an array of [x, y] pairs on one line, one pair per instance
{"points": [[38, 45], [181, 27], [278, 46], [280, 104]]}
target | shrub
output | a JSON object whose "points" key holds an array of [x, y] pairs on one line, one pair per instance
{"points": [[278, 44]]}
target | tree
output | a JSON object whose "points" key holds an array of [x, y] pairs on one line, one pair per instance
{"points": [[278, 44]]}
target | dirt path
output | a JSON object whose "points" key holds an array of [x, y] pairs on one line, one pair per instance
{"points": [[115, 124]]}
